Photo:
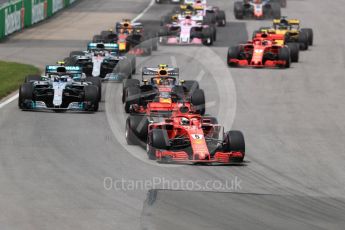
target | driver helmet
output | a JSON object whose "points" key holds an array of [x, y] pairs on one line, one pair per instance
{"points": [[157, 81], [184, 121]]}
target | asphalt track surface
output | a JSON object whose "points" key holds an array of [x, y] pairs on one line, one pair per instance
{"points": [[52, 166]]}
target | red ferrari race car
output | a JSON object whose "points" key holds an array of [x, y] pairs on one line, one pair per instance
{"points": [[279, 39], [261, 52], [186, 137], [163, 84]]}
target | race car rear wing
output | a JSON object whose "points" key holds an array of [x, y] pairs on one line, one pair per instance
{"points": [[289, 21], [112, 47], [154, 71], [64, 69]]}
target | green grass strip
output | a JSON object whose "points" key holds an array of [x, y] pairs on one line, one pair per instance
{"points": [[12, 75]]}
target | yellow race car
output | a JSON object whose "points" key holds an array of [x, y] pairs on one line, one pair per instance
{"points": [[292, 32]]}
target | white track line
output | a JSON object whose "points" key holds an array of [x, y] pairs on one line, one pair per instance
{"points": [[144, 11], [9, 100], [14, 97]]}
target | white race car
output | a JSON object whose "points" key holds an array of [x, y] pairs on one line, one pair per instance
{"points": [[60, 88], [186, 32]]}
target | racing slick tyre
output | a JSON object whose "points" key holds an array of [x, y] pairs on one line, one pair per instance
{"points": [[282, 3], [294, 51], [30, 78], [159, 139], [310, 34], [209, 19], [165, 20], [284, 55], [214, 32], [238, 10], [154, 40], [105, 34], [97, 38], [234, 141], [132, 96], [151, 152], [124, 68], [221, 18], [162, 35], [233, 53], [207, 36], [198, 101], [133, 62], [26, 91], [126, 84], [213, 120], [178, 90], [96, 81], [129, 134], [136, 129], [303, 40], [91, 96], [276, 10], [147, 47], [76, 53], [191, 86]]}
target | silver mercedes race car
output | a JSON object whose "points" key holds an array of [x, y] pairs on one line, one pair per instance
{"points": [[61, 88], [105, 58]]}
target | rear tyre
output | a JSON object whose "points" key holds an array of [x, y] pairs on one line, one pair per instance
{"points": [[105, 34], [310, 35], [191, 86], [303, 40], [207, 37], [276, 10], [165, 20], [97, 39], [128, 83], [221, 18], [213, 120], [238, 10], [178, 90], [198, 101], [132, 97], [284, 55], [294, 51]]}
